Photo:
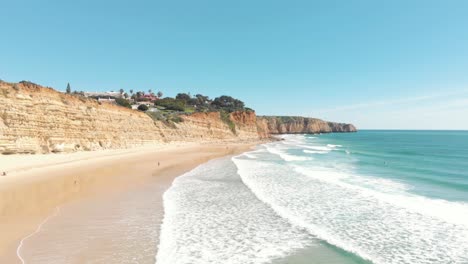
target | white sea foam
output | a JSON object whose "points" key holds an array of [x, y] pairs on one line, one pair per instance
{"points": [[291, 140], [315, 151], [250, 155], [374, 218], [319, 148], [341, 177], [212, 217], [274, 149]]}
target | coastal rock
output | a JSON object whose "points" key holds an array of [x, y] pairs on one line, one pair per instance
{"points": [[299, 125]]}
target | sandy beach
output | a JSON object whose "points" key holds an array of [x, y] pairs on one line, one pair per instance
{"points": [[42, 194]]}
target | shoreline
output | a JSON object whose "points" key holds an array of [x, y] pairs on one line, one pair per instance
{"points": [[38, 184]]}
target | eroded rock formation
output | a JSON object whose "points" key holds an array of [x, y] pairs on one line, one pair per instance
{"points": [[300, 125]]}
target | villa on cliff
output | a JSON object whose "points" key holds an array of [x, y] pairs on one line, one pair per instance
{"points": [[149, 97], [97, 95], [104, 97]]}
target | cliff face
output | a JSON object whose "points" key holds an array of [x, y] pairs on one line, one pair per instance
{"points": [[209, 126], [299, 125], [36, 119]]}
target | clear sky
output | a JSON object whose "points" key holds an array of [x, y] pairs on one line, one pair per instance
{"points": [[378, 64]]}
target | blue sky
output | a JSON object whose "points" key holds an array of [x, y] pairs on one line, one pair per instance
{"points": [[378, 64]]}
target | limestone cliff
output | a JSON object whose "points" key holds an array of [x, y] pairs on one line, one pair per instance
{"points": [[209, 126], [299, 125], [36, 119]]}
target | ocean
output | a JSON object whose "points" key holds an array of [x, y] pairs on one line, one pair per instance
{"points": [[367, 197]]}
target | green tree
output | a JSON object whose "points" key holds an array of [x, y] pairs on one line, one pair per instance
{"points": [[171, 104], [68, 88], [228, 103], [200, 102], [143, 107], [121, 91], [123, 102], [183, 97], [160, 94], [202, 99], [131, 91]]}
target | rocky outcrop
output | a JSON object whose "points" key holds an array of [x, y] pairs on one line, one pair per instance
{"points": [[36, 119], [299, 125]]}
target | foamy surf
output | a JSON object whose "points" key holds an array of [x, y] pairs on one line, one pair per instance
{"points": [[286, 156], [315, 151], [212, 217], [374, 218]]}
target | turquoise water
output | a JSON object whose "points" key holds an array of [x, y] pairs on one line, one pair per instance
{"points": [[431, 163], [367, 197]]}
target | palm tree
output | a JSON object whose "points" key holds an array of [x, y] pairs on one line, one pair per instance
{"points": [[131, 91], [150, 91], [160, 94], [121, 91]]}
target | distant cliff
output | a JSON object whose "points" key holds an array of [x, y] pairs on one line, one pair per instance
{"points": [[299, 125], [36, 119]]}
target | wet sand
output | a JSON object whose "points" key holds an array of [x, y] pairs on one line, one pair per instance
{"points": [[94, 205]]}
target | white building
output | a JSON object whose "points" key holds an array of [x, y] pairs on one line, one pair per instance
{"points": [[104, 95]]}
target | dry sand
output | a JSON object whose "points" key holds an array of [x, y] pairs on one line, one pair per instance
{"points": [[101, 182]]}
